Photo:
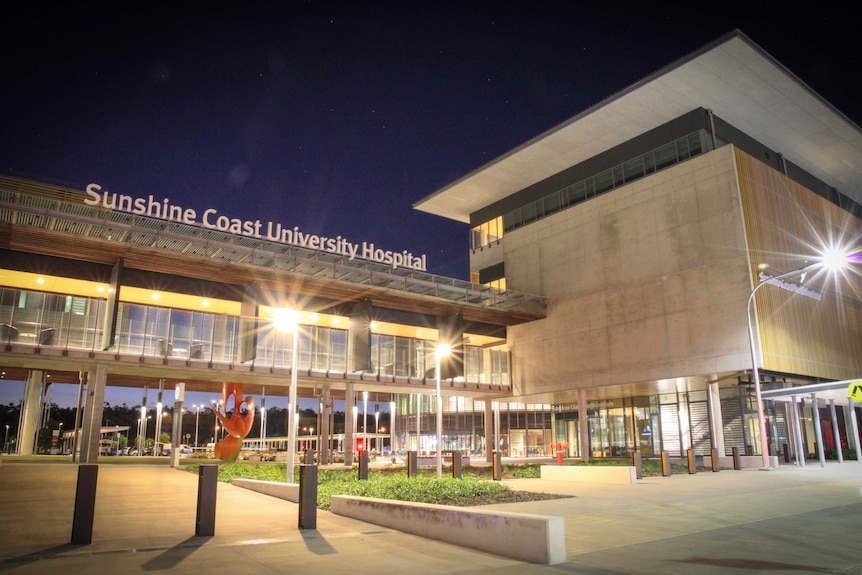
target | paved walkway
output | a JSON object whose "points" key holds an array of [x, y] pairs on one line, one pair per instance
{"points": [[788, 520]]}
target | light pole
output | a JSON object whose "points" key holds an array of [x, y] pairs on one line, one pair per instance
{"points": [[197, 422], [442, 351], [365, 418], [288, 320], [6, 440], [831, 260]]}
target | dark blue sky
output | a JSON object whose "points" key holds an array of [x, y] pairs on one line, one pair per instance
{"points": [[336, 117]]}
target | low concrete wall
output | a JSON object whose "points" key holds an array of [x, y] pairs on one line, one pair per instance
{"points": [[522, 536], [616, 474], [288, 491]]}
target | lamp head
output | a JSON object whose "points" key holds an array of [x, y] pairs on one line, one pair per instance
{"points": [[835, 259]]}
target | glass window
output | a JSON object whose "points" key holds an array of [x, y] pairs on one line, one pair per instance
{"points": [[633, 169], [551, 204], [604, 181], [528, 213], [665, 156]]}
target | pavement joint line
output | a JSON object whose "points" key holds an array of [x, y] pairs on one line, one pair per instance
{"points": [[206, 542], [701, 531]]}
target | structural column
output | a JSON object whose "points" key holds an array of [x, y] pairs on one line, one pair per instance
{"points": [[818, 433], [325, 449], [800, 445], [716, 424], [28, 424], [583, 424], [349, 404], [490, 440], [91, 428], [851, 407], [835, 431]]}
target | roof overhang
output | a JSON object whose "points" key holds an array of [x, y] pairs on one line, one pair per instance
{"points": [[733, 77], [832, 391]]}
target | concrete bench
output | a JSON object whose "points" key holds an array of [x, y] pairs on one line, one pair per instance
{"points": [[522, 536], [613, 474]]}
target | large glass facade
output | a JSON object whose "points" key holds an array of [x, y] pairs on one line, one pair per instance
{"points": [[76, 322]]}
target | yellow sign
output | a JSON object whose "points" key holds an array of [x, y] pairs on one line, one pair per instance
{"points": [[854, 390]]}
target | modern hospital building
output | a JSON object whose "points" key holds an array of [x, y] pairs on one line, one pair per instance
{"points": [[613, 259]]}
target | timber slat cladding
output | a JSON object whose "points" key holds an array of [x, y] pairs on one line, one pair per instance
{"points": [[785, 225]]}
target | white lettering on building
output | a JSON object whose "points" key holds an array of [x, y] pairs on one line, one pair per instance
{"points": [[270, 231]]}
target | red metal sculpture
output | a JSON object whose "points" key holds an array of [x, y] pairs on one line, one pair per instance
{"points": [[238, 425]]}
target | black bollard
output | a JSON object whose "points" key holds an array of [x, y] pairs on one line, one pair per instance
{"points": [[363, 465], [498, 466], [456, 464], [412, 464], [207, 484], [309, 457], [308, 497], [85, 505]]}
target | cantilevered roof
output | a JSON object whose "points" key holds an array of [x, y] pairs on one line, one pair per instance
{"points": [[733, 77]]}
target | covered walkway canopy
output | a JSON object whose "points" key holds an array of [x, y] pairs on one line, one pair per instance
{"points": [[829, 395]]}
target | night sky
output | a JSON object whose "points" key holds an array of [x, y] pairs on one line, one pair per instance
{"points": [[337, 117]]}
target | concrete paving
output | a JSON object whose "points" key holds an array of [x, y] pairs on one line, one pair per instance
{"points": [[789, 520]]}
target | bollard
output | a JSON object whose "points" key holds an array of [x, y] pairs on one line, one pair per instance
{"points": [[749, 450], [735, 454], [786, 453], [85, 505], [692, 464], [665, 464], [207, 484], [456, 465], [412, 464], [363, 465], [308, 497], [309, 457], [636, 461], [716, 465], [498, 466]]}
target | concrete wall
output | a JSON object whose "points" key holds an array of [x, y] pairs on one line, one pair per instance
{"points": [[532, 538], [644, 283], [287, 491]]}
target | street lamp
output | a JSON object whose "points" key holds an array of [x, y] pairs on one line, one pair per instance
{"points": [[442, 351], [288, 320], [6, 440], [831, 260]]}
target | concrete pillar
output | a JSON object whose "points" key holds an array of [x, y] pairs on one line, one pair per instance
{"points": [[583, 424], [325, 431], [800, 444], [91, 428], [28, 424], [851, 407], [835, 431], [716, 424], [490, 448], [798, 448], [817, 431], [349, 404]]}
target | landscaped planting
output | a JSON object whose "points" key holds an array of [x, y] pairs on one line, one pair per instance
{"points": [[476, 487]]}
